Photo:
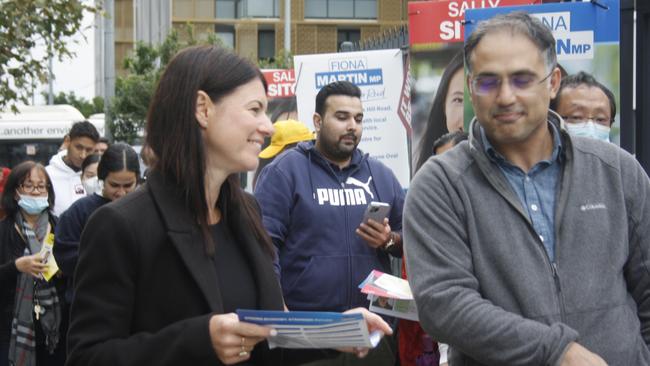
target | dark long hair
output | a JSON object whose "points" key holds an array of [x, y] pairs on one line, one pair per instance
{"points": [[281, 106], [437, 124], [174, 135], [116, 158], [15, 179], [89, 160]]}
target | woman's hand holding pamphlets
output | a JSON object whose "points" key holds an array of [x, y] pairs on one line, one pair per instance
{"points": [[377, 328], [354, 331]]}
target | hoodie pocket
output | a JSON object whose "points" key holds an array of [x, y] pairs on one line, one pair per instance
{"points": [[321, 284]]}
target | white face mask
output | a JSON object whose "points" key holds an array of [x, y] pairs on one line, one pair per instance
{"points": [[92, 185], [589, 129]]}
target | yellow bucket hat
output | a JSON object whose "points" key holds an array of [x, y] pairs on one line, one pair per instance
{"points": [[286, 132]]}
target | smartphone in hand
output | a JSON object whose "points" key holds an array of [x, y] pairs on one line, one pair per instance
{"points": [[377, 211]]}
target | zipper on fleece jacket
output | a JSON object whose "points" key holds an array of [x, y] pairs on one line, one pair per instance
{"points": [[553, 266], [558, 288], [502, 187]]}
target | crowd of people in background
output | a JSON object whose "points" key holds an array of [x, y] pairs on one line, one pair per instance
{"points": [[524, 234]]}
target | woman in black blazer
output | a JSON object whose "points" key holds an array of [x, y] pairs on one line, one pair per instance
{"points": [[161, 271]]}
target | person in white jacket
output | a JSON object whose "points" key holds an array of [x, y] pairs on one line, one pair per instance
{"points": [[65, 167]]}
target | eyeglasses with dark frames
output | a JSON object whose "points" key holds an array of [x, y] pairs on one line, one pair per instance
{"points": [[31, 188], [519, 83]]}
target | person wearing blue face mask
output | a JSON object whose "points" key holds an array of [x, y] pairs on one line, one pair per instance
{"points": [[29, 304], [587, 106]]}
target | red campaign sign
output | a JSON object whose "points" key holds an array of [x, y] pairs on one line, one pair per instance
{"points": [[281, 82], [440, 21]]}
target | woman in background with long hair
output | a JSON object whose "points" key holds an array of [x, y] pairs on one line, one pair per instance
{"points": [[447, 110]]}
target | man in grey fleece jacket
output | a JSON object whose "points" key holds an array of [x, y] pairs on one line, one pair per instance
{"points": [[526, 246]]}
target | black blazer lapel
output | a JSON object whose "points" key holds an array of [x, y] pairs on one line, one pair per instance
{"points": [[268, 288], [185, 235], [191, 249]]}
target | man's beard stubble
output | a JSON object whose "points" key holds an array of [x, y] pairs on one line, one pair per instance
{"points": [[334, 151]]}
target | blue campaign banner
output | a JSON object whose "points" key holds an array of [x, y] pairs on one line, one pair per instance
{"points": [[603, 19], [577, 27]]}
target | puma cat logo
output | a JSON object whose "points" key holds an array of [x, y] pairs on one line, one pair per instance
{"points": [[360, 184]]}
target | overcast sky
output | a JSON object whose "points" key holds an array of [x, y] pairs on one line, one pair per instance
{"points": [[78, 73]]}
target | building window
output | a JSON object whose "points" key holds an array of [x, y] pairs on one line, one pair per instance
{"points": [[236, 9], [348, 35], [226, 34], [266, 45], [341, 9], [315, 8], [366, 9], [263, 8], [226, 9]]}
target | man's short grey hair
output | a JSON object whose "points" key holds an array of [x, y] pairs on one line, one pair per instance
{"points": [[518, 22]]}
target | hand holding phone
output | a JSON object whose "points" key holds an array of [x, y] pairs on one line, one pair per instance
{"points": [[377, 211], [377, 233]]}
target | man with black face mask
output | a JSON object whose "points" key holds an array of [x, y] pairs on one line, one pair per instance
{"points": [[313, 199]]}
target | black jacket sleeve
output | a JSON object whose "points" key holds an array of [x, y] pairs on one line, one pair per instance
{"points": [[104, 308]]}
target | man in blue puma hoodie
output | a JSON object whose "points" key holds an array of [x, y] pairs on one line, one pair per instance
{"points": [[313, 198]]}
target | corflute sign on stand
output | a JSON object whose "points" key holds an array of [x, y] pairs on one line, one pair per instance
{"points": [[380, 76]]}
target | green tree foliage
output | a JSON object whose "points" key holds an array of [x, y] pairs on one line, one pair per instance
{"points": [[128, 109], [84, 106], [24, 24], [282, 60], [133, 92]]}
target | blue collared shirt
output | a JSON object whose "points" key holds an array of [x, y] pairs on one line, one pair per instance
{"points": [[535, 188]]}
